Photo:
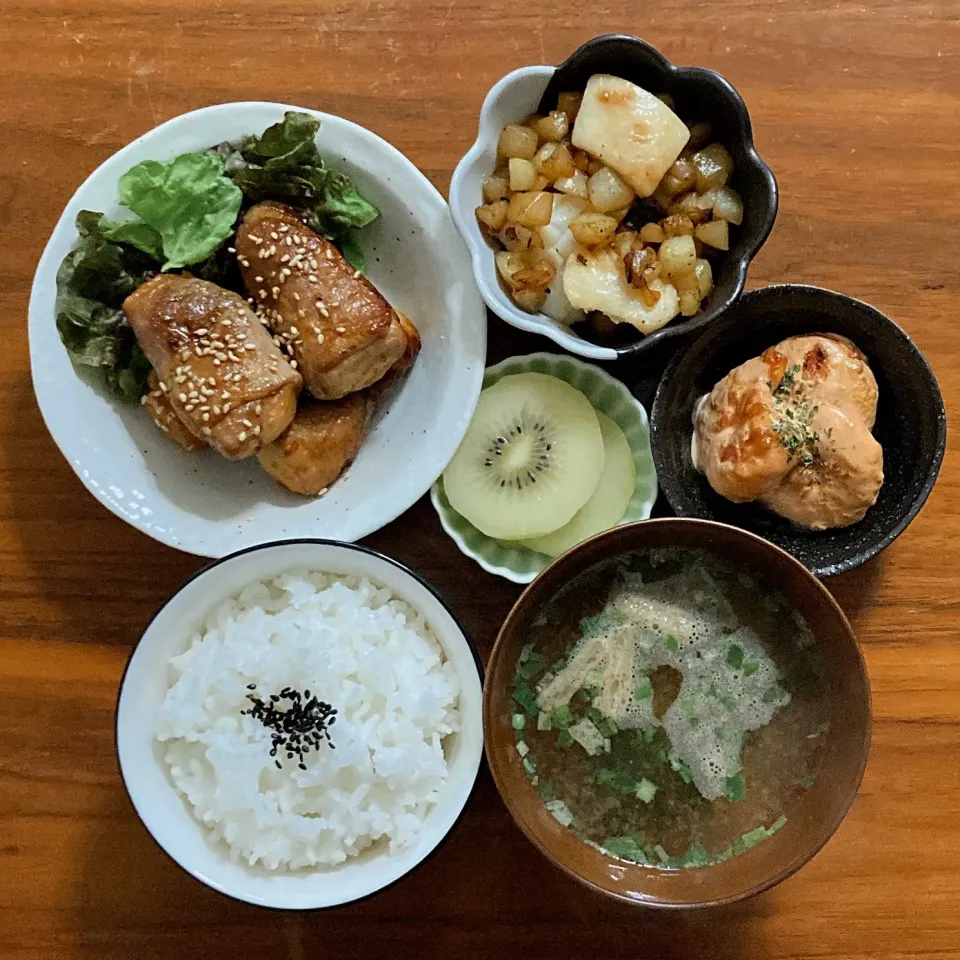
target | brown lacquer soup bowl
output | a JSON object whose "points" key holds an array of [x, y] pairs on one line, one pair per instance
{"points": [[811, 813]]}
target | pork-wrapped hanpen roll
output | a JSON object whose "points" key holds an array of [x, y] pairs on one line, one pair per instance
{"points": [[341, 331], [225, 378]]}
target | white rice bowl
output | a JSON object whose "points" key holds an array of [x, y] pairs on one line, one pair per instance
{"points": [[353, 644]]}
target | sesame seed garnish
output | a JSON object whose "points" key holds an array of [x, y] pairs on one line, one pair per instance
{"points": [[258, 409], [216, 361], [329, 254], [284, 228], [293, 363], [296, 297], [341, 329], [294, 331], [216, 409], [256, 430], [242, 436], [206, 431], [263, 294], [163, 386], [182, 398], [258, 279], [285, 258], [312, 278], [276, 292], [231, 249], [319, 338], [256, 240], [286, 271], [273, 235], [206, 417], [356, 273], [243, 262]]}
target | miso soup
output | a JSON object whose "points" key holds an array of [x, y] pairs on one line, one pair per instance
{"points": [[669, 708]]}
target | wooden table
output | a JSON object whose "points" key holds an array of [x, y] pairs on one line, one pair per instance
{"points": [[856, 107]]}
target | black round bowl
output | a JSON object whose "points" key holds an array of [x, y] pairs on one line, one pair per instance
{"points": [[911, 423], [699, 94]]}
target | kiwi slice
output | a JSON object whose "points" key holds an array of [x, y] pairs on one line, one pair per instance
{"points": [[531, 458], [607, 504]]}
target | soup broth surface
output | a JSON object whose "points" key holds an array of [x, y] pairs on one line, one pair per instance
{"points": [[669, 709]]}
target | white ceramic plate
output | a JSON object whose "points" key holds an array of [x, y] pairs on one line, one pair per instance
{"points": [[162, 809], [206, 505], [510, 100]]}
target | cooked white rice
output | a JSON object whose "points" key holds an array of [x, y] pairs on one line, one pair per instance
{"points": [[353, 644]]}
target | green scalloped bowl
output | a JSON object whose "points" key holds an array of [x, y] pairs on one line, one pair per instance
{"points": [[607, 395]]}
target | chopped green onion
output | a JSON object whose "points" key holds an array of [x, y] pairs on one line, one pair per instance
{"points": [[807, 783], [696, 855], [617, 780], [545, 789], [522, 748], [543, 720], [644, 689], [525, 652], [735, 656], [772, 693], [661, 853], [672, 643], [750, 667], [533, 664], [750, 839], [646, 790], [682, 769], [607, 727], [645, 734], [564, 739], [776, 825], [524, 696], [595, 715], [561, 812], [734, 788], [519, 721], [562, 717], [530, 765]]}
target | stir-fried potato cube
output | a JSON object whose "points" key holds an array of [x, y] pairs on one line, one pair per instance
{"points": [[575, 185], [553, 127], [704, 274], [494, 188], [593, 229], [716, 233], [523, 174], [677, 255], [517, 141], [531, 209], [727, 205], [554, 162], [714, 166], [569, 103], [492, 216], [652, 233], [608, 191]]}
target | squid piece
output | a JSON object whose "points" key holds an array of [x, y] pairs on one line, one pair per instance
{"points": [[158, 405], [342, 333], [223, 376]]}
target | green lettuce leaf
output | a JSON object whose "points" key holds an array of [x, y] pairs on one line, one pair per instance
{"points": [[190, 203], [134, 232], [92, 282]]}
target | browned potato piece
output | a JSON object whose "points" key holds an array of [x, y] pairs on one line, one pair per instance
{"points": [[492, 216], [531, 209], [714, 166], [569, 103], [554, 162], [553, 127], [494, 188], [714, 234], [523, 174], [593, 229], [517, 141]]}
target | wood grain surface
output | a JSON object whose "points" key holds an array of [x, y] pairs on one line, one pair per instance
{"points": [[856, 106]]}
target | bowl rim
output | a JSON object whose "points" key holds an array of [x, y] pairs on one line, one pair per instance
{"points": [[41, 315], [832, 825], [197, 575], [522, 361], [876, 547], [540, 323]]}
